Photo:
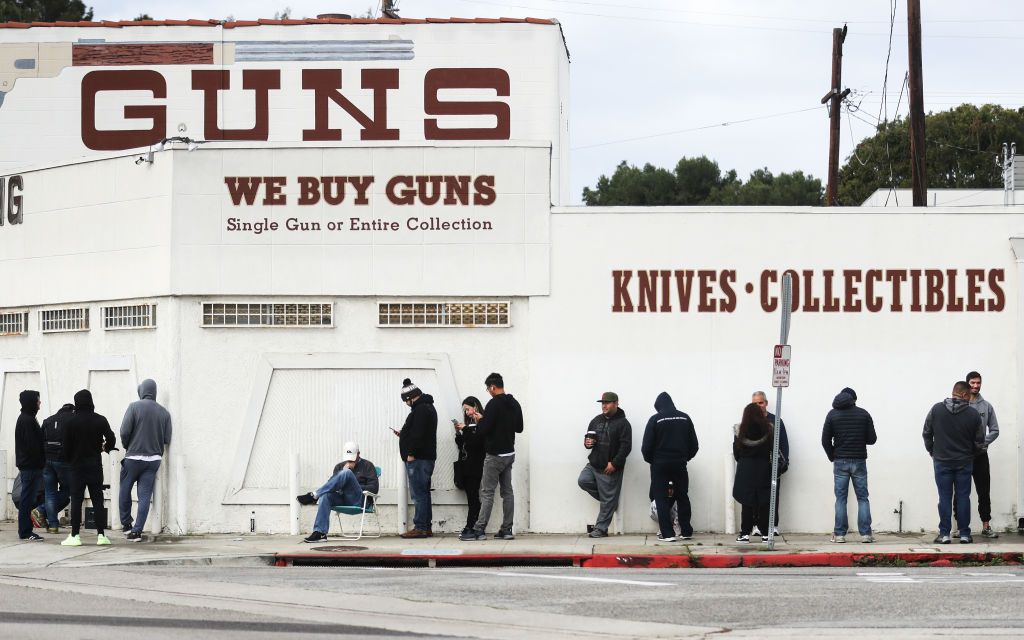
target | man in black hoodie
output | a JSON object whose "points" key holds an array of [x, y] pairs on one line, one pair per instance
{"points": [[501, 420], [670, 441], [30, 456], [954, 433], [417, 444], [88, 434], [610, 439], [847, 432], [56, 476]]}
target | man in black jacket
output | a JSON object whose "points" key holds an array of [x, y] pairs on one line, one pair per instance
{"points": [[88, 434], [30, 456], [417, 443], [670, 441], [56, 476], [501, 420], [954, 433], [610, 439], [847, 432]]}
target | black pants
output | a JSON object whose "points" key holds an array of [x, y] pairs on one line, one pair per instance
{"points": [[982, 477], [472, 486], [778, 492], [661, 475], [90, 477], [751, 515]]}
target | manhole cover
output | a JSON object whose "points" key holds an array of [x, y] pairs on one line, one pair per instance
{"points": [[339, 549]]}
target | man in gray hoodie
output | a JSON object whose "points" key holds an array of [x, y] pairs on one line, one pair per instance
{"points": [[981, 473], [953, 435], [145, 431]]}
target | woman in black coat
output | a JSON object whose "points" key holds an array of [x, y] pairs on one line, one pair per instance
{"points": [[752, 449], [471, 459]]}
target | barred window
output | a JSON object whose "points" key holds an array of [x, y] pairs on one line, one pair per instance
{"points": [[268, 314], [131, 316], [14, 323], [70, 319], [443, 314]]}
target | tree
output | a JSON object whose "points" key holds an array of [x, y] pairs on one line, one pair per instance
{"points": [[766, 189], [141, 17], [44, 11], [962, 146], [701, 181]]}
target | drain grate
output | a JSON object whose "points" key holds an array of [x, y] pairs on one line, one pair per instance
{"points": [[339, 549]]}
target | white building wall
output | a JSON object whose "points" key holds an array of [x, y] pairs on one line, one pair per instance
{"points": [[900, 363]]}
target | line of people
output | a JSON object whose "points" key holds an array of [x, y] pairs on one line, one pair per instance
{"points": [[957, 433], [63, 456]]}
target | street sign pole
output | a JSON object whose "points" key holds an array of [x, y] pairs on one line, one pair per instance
{"points": [[780, 379]]}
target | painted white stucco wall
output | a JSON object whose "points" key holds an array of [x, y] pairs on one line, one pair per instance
{"points": [[900, 363]]}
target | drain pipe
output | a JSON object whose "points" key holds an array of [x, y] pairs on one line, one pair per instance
{"points": [[730, 507], [402, 502], [3, 484], [293, 490]]}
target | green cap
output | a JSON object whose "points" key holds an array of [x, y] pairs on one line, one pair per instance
{"points": [[609, 396]]}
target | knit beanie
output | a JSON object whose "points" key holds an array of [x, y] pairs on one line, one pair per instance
{"points": [[409, 390]]}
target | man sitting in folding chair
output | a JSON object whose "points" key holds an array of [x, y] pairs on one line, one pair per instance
{"points": [[352, 476]]}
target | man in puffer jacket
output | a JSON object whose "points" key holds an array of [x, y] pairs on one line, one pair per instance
{"points": [[610, 439], [847, 432]]}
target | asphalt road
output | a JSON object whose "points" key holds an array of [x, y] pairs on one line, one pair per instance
{"points": [[309, 602]]}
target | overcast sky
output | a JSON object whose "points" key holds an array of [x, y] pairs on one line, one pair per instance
{"points": [[646, 73]]}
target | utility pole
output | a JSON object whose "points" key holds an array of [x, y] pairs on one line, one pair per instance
{"points": [[916, 94], [835, 98], [387, 7]]}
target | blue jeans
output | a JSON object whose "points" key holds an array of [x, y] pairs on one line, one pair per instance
{"points": [[844, 470], [952, 479], [57, 484], [144, 474], [31, 479], [342, 489], [419, 472]]}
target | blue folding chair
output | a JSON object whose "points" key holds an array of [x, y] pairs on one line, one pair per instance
{"points": [[369, 507]]}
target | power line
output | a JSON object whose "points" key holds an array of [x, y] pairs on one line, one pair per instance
{"points": [[701, 128], [732, 26]]}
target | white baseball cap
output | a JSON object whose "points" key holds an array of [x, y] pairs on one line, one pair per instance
{"points": [[351, 452]]}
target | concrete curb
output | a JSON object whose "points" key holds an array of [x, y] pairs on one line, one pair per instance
{"points": [[656, 561]]}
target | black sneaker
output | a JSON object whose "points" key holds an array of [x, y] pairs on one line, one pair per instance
{"points": [[133, 536], [743, 537], [472, 535], [941, 539], [987, 532], [306, 498], [966, 538], [764, 538], [662, 538], [316, 536], [504, 534], [597, 533], [126, 529], [33, 537]]}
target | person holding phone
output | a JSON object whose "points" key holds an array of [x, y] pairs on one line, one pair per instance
{"points": [[470, 466]]}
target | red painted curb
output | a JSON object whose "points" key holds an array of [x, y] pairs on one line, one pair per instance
{"points": [[764, 559]]}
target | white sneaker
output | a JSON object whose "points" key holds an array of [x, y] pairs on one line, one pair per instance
{"points": [[668, 539], [867, 539], [838, 539]]}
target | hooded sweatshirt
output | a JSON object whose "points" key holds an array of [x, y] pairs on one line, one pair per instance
{"points": [[988, 416], [146, 427], [503, 419], [953, 432], [54, 429], [418, 437], [28, 436], [88, 434], [669, 437], [848, 429]]}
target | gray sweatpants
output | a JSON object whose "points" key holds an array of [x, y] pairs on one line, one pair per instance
{"points": [[497, 472], [605, 489]]}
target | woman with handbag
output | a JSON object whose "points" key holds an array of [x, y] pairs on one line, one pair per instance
{"points": [[469, 468]]}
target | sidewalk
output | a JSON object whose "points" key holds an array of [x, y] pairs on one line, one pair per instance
{"points": [[710, 550]]}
